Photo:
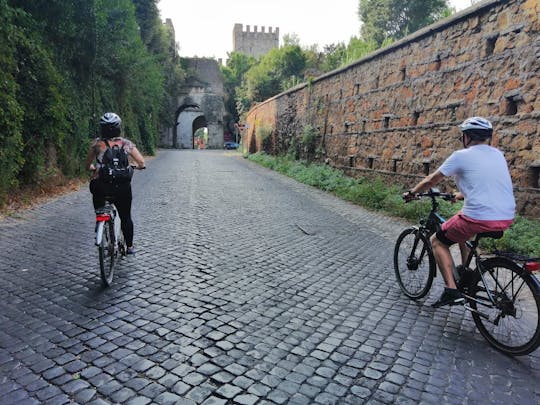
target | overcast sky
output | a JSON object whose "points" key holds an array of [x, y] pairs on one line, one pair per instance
{"points": [[204, 27]]}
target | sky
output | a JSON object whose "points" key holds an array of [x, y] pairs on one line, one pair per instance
{"points": [[204, 28]]}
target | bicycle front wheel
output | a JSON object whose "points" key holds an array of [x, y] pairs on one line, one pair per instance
{"points": [[107, 254], [414, 263], [511, 323]]}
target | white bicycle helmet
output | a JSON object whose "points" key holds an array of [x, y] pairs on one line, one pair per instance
{"points": [[477, 127], [111, 125], [476, 123]]}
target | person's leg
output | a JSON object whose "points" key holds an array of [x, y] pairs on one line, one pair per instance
{"points": [[444, 259], [98, 193], [465, 251], [441, 242], [123, 204]]}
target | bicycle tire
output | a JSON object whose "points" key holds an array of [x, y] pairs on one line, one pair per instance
{"points": [[122, 247], [517, 296], [107, 254], [414, 270]]}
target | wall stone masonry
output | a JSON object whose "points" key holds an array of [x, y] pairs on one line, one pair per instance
{"points": [[254, 43], [394, 113]]}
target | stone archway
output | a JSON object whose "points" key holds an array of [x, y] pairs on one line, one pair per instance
{"points": [[200, 104], [200, 126], [188, 119]]}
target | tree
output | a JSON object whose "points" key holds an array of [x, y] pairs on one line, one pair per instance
{"points": [[274, 73], [395, 19], [233, 74], [11, 113], [66, 62]]}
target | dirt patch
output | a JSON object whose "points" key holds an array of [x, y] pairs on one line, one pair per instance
{"points": [[28, 197]]}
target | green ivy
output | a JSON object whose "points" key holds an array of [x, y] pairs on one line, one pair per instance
{"points": [[66, 63]]}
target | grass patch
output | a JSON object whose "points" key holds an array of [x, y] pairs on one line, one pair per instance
{"points": [[523, 237]]}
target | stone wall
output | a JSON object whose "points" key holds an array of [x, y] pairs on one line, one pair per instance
{"points": [[254, 43], [394, 113]]}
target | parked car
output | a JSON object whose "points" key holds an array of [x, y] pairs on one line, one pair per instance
{"points": [[230, 145]]}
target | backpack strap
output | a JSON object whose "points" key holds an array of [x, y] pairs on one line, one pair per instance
{"points": [[108, 147]]}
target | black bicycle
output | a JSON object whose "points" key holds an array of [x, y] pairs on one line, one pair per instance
{"points": [[501, 292]]}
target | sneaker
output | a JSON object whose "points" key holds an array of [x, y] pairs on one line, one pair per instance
{"points": [[130, 250], [450, 296]]}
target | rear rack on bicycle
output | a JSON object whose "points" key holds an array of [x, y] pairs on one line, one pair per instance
{"points": [[530, 264], [515, 256]]}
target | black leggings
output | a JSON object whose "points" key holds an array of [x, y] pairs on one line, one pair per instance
{"points": [[122, 197]]}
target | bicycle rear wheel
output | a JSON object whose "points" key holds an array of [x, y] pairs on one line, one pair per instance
{"points": [[414, 263], [107, 254], [512, 323]]}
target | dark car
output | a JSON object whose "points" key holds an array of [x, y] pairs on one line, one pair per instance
{"points": [[230, 145]]}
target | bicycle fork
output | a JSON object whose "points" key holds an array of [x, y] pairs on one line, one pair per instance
{"points": [[412, 260]]}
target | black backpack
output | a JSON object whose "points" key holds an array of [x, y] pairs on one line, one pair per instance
{"points": [[115, 167]]}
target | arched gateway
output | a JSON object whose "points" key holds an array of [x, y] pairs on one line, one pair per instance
{"points": [[199, 116]]}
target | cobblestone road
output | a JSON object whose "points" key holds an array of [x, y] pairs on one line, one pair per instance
{"points": [[247, 288]]}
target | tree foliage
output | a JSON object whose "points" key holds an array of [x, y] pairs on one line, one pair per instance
{"points": [[272, 74], [233, 73], [395, 19], [64, 63]]}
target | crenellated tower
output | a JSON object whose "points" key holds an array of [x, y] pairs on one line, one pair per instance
{"points": [[254, 43]]}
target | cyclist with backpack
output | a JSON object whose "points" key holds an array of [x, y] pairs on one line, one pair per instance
{"points": [[482, 177], [109, 160]]}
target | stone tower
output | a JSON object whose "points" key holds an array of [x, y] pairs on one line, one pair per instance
{"points": [[254, 43]]}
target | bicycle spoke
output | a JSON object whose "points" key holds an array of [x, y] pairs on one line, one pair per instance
{"points": [[413, 263], [513, 320]]}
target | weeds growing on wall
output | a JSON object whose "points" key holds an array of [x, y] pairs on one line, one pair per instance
{"points": [[308, 141], [523, 237], [262, 133]]}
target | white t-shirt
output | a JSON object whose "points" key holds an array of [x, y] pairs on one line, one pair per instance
{"points": [[481, 174]]}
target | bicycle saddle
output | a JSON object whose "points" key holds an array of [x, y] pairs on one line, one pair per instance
{"points": [[494, 235]]}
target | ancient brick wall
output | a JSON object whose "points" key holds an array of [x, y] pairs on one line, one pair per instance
{"points": [[394, 113]]}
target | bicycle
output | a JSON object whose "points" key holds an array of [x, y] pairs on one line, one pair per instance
{"points": [[109, 240], [501, 292]]}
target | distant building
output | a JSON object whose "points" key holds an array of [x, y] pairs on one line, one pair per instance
{"points": [[254, 43]]}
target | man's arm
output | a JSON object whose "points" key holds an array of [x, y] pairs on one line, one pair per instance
{"points": [[430, 181]]}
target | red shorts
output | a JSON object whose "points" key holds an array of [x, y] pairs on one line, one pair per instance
{"points": [[461, 228]]}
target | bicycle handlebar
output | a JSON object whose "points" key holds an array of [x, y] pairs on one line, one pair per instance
{"points": [[432, 193], [436, 193]]}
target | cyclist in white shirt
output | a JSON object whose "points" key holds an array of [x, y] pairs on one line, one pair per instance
{"points": [[482, 177]]}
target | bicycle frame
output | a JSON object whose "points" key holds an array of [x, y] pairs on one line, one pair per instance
{"points": [[106, 214], [428, 226]]}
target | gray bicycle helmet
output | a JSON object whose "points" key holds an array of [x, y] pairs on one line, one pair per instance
{"points": [[110, 124], [477, 128]]}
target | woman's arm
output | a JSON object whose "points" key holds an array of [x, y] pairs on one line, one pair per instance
{"points": [[90, 157], [137, 157]]}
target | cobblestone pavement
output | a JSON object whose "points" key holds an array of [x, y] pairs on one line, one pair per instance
{"points": [[247, 288]]}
